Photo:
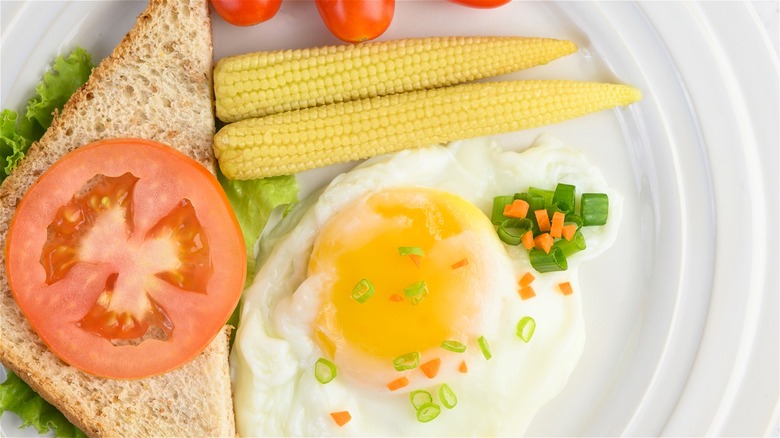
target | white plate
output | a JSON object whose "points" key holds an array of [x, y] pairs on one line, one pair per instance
{"points": [[682, 313]]}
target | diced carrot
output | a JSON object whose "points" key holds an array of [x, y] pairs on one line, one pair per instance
{"points": [[542, 219], [415, 259], [463, 368], [526, 279], [568, 231], [341, 418], [460, 264], [557, 224], [566, 288], [544, 242], [398, 383], [526, 292], [518, 209], [396, 298], [528, 239], [431, 368]]}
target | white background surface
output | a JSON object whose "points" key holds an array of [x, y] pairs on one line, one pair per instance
{"points": [[683, 332]]}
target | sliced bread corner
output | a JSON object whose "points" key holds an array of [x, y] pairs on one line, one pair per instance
{"points": [[155, 85]]}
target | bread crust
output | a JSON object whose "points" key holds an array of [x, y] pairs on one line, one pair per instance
{"points": [[156, 85]]}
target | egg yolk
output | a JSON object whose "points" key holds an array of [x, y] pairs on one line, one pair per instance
{"points": [[419, 300]]}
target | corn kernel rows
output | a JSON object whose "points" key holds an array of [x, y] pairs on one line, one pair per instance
{"points": [[258, 84], [292, 142]]}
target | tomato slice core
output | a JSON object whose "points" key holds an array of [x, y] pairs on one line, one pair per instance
{"points": [[126, 258]]}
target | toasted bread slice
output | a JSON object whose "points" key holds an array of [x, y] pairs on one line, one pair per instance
{"points": [[155, 85]]}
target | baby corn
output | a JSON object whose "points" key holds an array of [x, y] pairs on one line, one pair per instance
{"points": [[258, 84], [295, 141]]}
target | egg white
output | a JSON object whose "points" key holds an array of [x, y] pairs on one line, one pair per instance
{"points": [[272, 360]]}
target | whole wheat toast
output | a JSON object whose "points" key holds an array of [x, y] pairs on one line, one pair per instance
{"points": [[156, 85]]}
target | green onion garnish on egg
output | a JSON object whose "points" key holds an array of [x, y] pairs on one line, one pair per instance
{"points": [[483, 345], [420, 398], [594, 208], [535, 202], [573, 246], [324, 370], [416, 292], [454, 346], [362, 291], [563, 197], [511, 230], [428, 412], [447, 396], [499, 202], [410, 250], [407, 361], [544, 193], [525, 328], [544, 262], [573, 219]]}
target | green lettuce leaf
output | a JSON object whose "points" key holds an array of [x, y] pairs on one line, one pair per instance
{"points": [[17, 134], [64, 78], [17, 397], [252, 201]]}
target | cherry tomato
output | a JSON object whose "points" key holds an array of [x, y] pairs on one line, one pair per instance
{"points": [[246, 12], [482, 4], [126, 258], [356, 20]]}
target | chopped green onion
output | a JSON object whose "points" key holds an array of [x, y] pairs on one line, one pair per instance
{"points": [[410, 250], [544, 262], [573, 219], [428, 412], [454, 346], [525, 328], [324, 370], [420, 398], [511, 230], [573, 246], [416, 292], [407, 361], [499, 202], [544, 193], [535, 202], [362, 291], [563, 197], [447, 396], [594, 208], [483, 345]]}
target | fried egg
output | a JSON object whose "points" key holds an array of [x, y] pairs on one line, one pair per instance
{"points": [[395, 275]]}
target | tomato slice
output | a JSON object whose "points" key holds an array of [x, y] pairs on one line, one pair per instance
{"points": [[126, 258]]}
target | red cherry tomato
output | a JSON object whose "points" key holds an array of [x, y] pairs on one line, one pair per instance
{"points": [[483, 4], [356, 20], [246, 12]]}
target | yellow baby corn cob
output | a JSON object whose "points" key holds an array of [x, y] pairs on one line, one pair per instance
{"points": [[258, 84], [294, 141]]}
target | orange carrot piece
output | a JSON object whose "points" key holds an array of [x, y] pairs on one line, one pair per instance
{"points": [[398, 383], [557, 224], [431, 368], [568, 231], [463, 368], [415, 259], [396, 298], [528, 239], [518, 209], [542, 219], [566, 288], [544, 242], [341, 418], [526, 279], [526, 292], [460, 264]]}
